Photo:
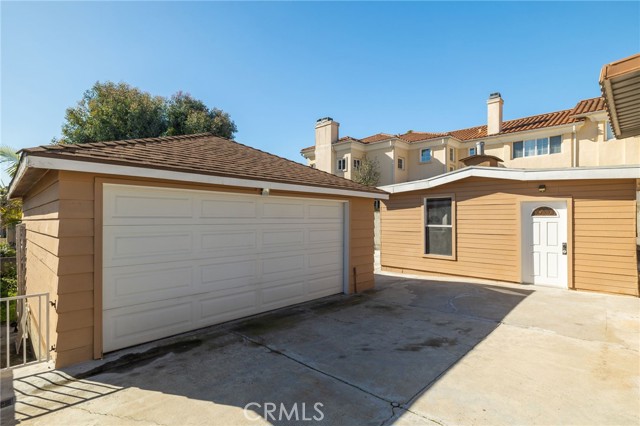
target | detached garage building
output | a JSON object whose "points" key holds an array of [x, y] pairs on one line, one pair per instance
{"points": [[142, 239], [568, 228]]}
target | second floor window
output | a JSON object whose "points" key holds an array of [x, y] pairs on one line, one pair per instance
{"points": [[472, 151], [401, 163], [425, 155], [342, 165], [356, 164], [452, 154], [540, 146]]}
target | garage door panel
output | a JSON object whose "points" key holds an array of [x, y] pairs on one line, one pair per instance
{"points": [[326, 234], [229, 275], [323, 260], [229, 240], [151, 244], [131, 325], [282, 210], [275, 238], [323, 285], [145, 207], [283, 265], [132, 286], [216, 309], [237, 255], [324, 211], [228, 208], [282, 295]]}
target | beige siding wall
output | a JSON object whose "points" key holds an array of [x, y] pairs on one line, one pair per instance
{"points": [[58, 213], [63, 234], [488, 231], [361, 244]]}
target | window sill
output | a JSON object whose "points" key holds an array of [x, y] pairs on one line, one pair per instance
{"points": [[439, 257]]}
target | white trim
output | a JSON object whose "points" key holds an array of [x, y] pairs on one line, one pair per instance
{"points": [[346, 223], [22, 169], [111, 169], [617, 172]]}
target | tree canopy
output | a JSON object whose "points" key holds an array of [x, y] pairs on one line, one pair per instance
{"points": [[368, 173], [113, 111], [186, 115]]}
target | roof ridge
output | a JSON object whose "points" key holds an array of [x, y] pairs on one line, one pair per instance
{"points": [[481, 126], [134, 141]]}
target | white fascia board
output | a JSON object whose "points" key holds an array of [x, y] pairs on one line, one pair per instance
{"points": [[111, 169], [619, 172], [22, 168]]}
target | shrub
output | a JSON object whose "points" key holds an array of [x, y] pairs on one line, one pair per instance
{"points": [[6, 250]]}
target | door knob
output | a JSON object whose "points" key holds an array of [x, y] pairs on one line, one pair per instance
{"points": [[564, 248]]}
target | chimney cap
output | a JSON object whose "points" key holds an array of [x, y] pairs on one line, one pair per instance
{"points": [[495, 95], [320, 120]]}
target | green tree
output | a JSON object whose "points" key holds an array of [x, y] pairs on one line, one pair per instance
{"points": [[10, 158], [187, 115], [110, 111], [368, 173], [10, 210]]}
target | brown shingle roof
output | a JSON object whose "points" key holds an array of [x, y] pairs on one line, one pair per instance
{"points": [[202, 154]]}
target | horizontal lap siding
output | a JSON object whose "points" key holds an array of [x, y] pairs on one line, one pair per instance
{"points": [[402, 234], [605, 243], [361, 245], [42, 244], [488, 246], [76, 249], [58, 213]]}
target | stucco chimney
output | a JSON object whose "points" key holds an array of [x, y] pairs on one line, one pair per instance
{"points": [[494, 114], [326, 135]]}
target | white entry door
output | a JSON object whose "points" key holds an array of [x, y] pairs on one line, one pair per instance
{"points": [[176, 260], [544, 243]]}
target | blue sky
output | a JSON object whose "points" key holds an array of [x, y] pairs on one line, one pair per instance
{"points": [[277, 67]]}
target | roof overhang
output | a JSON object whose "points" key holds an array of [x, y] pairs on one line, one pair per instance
{"points": [[620, 172], [32, 168], [620, 84]]}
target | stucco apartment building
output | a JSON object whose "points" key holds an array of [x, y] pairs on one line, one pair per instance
{"points": [[550, 199], [580, 136]]}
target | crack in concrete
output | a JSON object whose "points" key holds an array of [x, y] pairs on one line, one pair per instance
{"points": [[145, 421], [298, 361]]}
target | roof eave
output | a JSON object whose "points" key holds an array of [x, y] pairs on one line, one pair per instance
{"points": [[620, 83], [32, 162], [608, 172]]}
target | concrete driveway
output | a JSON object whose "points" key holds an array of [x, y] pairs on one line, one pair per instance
{"points": [[411, 352]]}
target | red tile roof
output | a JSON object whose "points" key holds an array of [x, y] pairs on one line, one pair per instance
{"points": [[533, 122], [376, 138], [589, 105], [420, 136], [201, 154]]}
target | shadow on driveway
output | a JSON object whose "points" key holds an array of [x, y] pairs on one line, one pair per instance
{"points": [[365, 358]]}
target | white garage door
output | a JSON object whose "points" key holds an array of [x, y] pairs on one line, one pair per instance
{"points": [[176, 260]]}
